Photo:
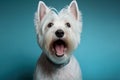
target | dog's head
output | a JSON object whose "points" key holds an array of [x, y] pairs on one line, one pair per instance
{"points": [[58, 33]]}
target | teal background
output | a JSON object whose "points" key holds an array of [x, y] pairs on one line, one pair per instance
{"points": [[98, 53]]}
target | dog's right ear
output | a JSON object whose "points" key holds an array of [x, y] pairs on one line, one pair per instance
{"points": [[42, 10], [73, 7]]}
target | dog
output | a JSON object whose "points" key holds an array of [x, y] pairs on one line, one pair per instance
{"points": [[58, 35]]}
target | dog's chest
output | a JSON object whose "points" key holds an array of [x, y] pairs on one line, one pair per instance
{"points": [[69, 72]]}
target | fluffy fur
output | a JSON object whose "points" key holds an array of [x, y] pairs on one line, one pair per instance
{"points": [[46, 66]]}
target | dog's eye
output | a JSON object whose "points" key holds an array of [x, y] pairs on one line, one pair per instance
{"points": [[50, 25], [68, 24]]}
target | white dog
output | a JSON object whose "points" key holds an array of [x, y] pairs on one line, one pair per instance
{"points": [[58, 35]]}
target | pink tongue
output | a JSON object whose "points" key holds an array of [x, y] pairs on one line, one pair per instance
{"points": [[59, 49]]}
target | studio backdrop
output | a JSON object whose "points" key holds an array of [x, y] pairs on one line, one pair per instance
{"points": [[98, 53]]}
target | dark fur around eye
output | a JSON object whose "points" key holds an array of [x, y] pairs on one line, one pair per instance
{"points": [[50, 25], [68, 24]]}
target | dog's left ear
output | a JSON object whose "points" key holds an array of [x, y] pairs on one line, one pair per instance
{"points": [[42, 10], [73, 8]]}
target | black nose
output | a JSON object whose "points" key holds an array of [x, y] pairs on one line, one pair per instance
{"points": [[59, 33]]}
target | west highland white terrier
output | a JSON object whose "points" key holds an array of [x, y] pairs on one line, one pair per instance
{"points": [[58, 35]]}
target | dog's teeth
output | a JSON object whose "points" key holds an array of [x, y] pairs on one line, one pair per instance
{"points": [[52, 49], [65, 49]]}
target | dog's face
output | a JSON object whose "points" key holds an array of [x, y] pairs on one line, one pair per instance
{"points": [[58, 33]]}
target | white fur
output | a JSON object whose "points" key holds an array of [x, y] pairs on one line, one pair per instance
{"points": [[45, 35], [69, 72]]}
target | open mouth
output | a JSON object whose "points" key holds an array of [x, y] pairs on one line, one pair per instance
{"points": [[59, 47]]}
